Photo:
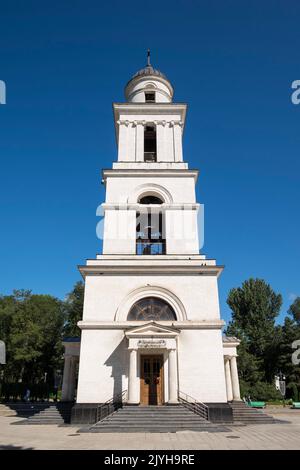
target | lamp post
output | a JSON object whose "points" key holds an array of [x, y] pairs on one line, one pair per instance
{"points": [[282, 387]]}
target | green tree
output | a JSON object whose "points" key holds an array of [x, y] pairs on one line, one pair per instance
{"points": [[33, 331], [290, 331], [254, 308], [73, 306], [294, 310]]}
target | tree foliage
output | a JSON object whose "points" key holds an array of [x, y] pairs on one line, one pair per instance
{"points": [[32, 327], [73, 310], [266, 348]]}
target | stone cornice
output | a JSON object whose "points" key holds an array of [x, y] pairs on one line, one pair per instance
{"points": [[143, 123], [155, 173], [149, 109], [139, 108], [149, 269], [154, 207], [125, 325]]}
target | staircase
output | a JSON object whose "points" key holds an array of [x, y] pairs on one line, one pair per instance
{"points": [[243, 413], [52, 413], [5, 410], [154, 419]]}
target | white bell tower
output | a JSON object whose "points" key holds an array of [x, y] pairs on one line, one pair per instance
{"points": [[151, 326], [149, 130]]}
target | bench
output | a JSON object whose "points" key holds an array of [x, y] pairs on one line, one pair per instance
{"points": [[257, 404], [296, 405]]}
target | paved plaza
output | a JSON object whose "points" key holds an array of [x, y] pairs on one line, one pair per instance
{"points": [[283, 435]]}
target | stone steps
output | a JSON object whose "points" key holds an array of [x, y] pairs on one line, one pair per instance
{"points": [[54, 413], [153, 419], [244, 414]]}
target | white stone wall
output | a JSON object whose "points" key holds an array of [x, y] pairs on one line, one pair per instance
{"points": [[201, 365], [135, 91], [103, 369], [104, 294], [120, 188], [104, 360], [119, 232]]}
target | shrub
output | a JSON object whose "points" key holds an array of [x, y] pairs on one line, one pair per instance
{"points": [[260, 391]]}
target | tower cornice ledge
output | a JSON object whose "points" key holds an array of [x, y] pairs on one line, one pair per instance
{"points": [[126, 325], [156, 173], [148, 269]]}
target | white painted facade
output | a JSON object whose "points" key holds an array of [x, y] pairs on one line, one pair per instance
{"points": [[196, 360]]}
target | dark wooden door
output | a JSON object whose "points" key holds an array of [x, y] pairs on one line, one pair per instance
{"points": [[151, 380]]}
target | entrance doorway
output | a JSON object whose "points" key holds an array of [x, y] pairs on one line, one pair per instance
{"points": [[152, 380]]}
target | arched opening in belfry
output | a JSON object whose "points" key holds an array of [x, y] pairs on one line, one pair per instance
{"points": [[151, 309], [150, 143], [150, 200], [150, 227]]}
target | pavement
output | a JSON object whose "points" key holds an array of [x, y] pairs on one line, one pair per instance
{"points": [[282, 436]]}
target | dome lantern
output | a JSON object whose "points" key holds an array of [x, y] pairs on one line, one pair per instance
{"points": [[149, 85]]}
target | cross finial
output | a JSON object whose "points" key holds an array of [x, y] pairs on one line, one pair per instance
{"points": [[148, 57]]}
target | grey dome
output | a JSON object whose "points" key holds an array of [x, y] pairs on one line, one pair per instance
{"points": [[149, 70]]}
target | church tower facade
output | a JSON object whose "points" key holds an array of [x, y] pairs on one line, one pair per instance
{"points": [[151, 326]]}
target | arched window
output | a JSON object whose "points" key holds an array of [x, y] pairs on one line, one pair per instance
{"points": [[150, 229], [151, 308], [150, 200], [150, 143]]}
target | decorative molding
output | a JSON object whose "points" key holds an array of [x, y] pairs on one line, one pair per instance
{"points": [[150, 291], [125, 325], [152, 189], [148, 270], [143, 122], [137, 207], [157, 173]]}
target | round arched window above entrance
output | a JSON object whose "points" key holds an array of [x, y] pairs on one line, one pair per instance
{"points": [[151, 308]]}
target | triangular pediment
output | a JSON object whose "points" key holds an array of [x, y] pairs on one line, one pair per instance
{"points": [[152, 329]]}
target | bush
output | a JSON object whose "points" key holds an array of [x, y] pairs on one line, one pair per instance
{"points": [[261, 391], [292, 391]]}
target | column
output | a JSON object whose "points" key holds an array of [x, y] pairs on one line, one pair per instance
{"points": [[133, 398], [139, 141], [122, 141], [235, 379], [66, 379], [160, 141], [177, 141], [228, 379], [172, 364], [72, 381]]}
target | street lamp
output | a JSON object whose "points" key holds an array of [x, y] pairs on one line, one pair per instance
{"points": [[280, 384]]}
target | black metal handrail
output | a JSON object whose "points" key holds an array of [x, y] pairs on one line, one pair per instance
{"points": [[194, 405], [111, 405]]}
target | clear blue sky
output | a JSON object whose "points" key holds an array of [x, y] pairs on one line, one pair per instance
{"points": [[233, 62]]}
